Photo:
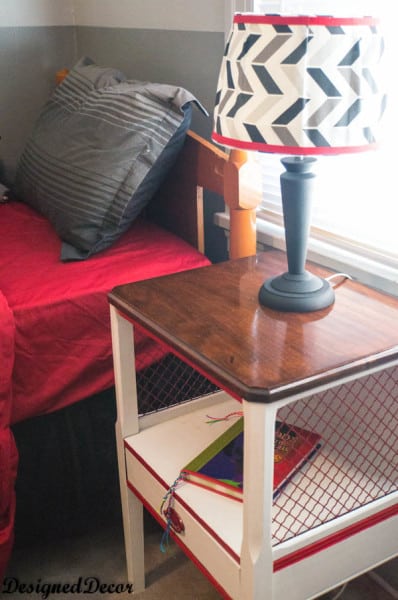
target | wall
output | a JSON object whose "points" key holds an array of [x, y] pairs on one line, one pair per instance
{"points": [[169, 41], [37, 37]]}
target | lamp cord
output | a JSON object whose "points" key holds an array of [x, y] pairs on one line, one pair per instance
{"points": [[378, 579], [384, 584], [340, 592], [341, 275]]}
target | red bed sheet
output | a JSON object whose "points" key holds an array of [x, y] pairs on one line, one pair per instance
{"points": [[8, 452], [62, 343]]}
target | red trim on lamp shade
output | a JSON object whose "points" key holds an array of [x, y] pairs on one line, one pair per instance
{"points": [[300, 150], [324, 20]]}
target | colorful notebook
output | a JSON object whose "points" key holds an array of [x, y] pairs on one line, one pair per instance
{"points": [[220, 466]]}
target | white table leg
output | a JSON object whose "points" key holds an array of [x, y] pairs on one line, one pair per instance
{"points": [[256, 555], [127, 424]]}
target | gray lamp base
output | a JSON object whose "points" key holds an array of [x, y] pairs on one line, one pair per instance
{"points": [[297, 290], [296, 293]]}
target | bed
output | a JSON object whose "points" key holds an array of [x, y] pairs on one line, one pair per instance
{"points": [[55, 345]]}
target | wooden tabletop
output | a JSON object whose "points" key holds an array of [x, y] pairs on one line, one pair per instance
{"points": [[212, 317]]}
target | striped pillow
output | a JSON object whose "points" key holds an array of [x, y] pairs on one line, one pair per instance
{"points": [[99, 150]]}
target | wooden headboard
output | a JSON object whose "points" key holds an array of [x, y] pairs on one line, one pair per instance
{"points": [[178, 205]]}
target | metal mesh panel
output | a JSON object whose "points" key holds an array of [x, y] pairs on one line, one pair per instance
{"points": [[357, 462], [164, 380]]}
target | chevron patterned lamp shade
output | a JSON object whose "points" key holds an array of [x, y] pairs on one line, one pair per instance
{"points": [[299, 85]]}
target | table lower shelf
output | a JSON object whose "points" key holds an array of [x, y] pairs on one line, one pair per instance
{"points": [[213, 523]]}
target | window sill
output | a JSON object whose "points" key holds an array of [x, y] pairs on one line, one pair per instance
{"points": [[374, 274]]}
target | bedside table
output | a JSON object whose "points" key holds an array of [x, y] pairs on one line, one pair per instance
{"points": [[334, 372]]}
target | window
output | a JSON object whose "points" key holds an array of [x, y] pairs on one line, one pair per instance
{"points": [[355, 211]]}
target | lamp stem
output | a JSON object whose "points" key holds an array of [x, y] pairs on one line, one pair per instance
{"points": [[297, 185], [297, 290]]}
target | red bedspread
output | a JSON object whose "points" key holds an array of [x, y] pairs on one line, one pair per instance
{"points": [[63, 346], [8, 452]]}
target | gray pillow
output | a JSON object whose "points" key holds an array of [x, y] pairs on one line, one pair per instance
{"points": [[98, 151]]}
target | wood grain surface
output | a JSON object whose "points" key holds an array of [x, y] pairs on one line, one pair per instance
{"points": [[212, 317]]}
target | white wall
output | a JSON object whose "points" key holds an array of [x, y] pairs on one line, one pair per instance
{"points": [[27, 13], [183, 15]]}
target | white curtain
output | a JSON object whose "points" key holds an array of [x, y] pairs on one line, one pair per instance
{"points": [[356, 200]]}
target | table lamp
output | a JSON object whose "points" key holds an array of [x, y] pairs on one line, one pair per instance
{"points": [[301, 86]]}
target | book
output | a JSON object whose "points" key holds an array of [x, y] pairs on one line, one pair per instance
{"points": [[220, 466]]}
